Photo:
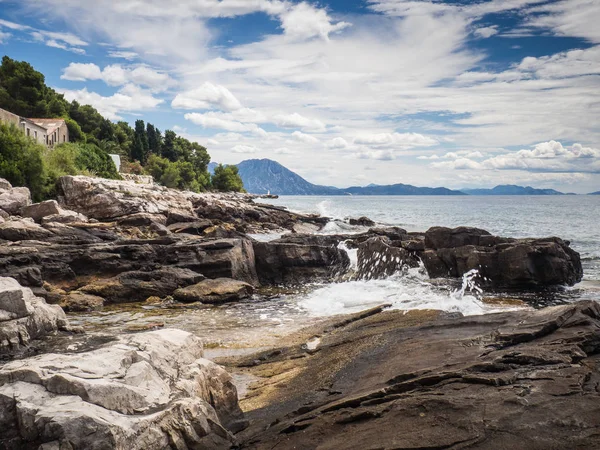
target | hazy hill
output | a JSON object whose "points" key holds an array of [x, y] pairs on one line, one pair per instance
{"points": [[510, 189]]}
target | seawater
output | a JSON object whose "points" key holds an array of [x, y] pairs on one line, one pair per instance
{"points": [[573, 218]]}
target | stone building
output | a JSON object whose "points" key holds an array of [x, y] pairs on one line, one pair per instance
{"points": [[49, 132]]}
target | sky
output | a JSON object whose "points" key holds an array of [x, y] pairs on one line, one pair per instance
{"points": [[451, 93]]}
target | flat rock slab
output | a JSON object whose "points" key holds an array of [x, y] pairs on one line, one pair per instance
{"points": [[517, 380], [220, 290]]}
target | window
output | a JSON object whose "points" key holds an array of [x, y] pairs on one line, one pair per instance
{"points": [[28, 132], [64, 138], [35, 134]]}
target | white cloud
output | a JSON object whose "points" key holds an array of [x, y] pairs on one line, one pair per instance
{"points": [[4, 37], [116, 75], [296, 120], [577, 18], [338, 143], [400, 140], [425, 157], [123, 55], [207, 96], [64, 41], [213, 121], [304, 21], [486, 32], [284, 151], [306, 138], [81, 72], [244, 149], [13, 26], [130, 98]]}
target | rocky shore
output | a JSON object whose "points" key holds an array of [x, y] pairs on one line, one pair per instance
{"points": [[107, 242]]}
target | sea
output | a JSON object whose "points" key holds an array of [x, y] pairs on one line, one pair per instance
{"points": [[572, 218]]}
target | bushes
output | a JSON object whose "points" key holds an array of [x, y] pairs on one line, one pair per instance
{"points": [[227, 179], [21, 161], [177, 175]]}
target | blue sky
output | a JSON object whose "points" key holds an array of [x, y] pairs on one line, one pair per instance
{"points": [[427, 92]]}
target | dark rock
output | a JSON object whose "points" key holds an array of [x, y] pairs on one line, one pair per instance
{"points": [[441, 237], [197, 227], [522, 380], [280, 262], [378, 259], [23, 230], [361, 221], [142, 219], [80, 302], [220, 290]]}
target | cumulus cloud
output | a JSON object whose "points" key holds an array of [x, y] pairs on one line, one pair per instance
{"points": [[212, 121], [130, 98], [306, 138], [285, 151], [486, 32], [244, 149], [207, 96], [338, 143], [117, 75], [304, 21], [399, 140]]}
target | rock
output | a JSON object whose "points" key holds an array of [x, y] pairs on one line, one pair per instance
{"points": [[23, 230], [378, 259], [24, 317], [160, 229], [4, 215], [13, 200], [63, 264], [147, 391], [524, 263], [197, 227], [361, 221], [142, 219], [220, 290], [523, 379], [137, 286], [80, 302], [5, 185], [66, 234], [441, 237], [175, 217], [305, 228], [38, 211], [66, 217], [281, 262]]}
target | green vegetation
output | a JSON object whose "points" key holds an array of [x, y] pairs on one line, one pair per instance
{"points": [[171, 159], [226, 178]]}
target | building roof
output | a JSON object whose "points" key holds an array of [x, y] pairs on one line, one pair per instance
{"points": [[49, 124]]}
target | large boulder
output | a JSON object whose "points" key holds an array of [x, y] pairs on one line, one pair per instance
{"points": [[442, 237], [23, 230], [523, 263], [147, 391], [5, 185], [137, 286], [14, 199], [24, 317], [38, 211], [282, 262], [220, 290]]}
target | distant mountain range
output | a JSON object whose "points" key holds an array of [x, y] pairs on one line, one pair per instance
{"points": [[594, 193], [510, 189], [262, 176]]}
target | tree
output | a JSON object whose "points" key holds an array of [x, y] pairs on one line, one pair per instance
{"points": [[21, 160], [227, 179], [168, 148], [154, 139], [139, 151]]}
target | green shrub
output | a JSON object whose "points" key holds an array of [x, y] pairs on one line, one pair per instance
{"points": [[227, 179]]}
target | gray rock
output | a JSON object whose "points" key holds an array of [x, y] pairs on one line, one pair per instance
{"points": [[80, 302], [38, 211], [441, 237], [220, 290], [146, 391], [13, 200], [23, 230], [66, 217], [5, 185], [24, 317], [378, 259]]}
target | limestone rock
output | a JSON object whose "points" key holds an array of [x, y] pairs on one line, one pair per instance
{"points": [[14, 199], [23, 230], [24, 317], [5, 185], [66, 217], [219, 290], [38, 211], [145, 391]]}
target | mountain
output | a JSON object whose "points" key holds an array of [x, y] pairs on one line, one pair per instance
{"points": [[594, 193], [261, 176], [264, 175], [510, 189]]}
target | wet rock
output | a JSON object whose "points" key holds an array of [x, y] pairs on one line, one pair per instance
{"points": [[523, 379], [14, 199], [361, 221], [441, 237], [80, 302], [378, 259], [23, 230], [281, 262], [137, 286], [524, 263], [220, 290], [24, 317], [146, 391]]}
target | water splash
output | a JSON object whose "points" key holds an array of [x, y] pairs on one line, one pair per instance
{"points": [[469, 283], [352, 254]]}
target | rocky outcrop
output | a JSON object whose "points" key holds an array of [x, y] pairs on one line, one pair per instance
{"points": [[23, 230], [524, 380], [514, 263], [220, 290], [144, 391], [279, 262], [377, 258], [361, 222], [12, 200], [24, 317]]}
